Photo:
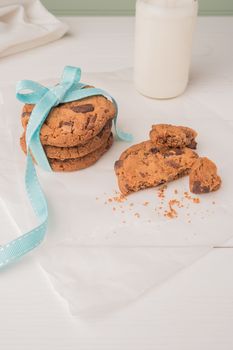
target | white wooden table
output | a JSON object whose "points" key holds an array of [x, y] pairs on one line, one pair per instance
{"points": [[193, 310]]}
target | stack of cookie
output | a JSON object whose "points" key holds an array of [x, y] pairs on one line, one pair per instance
{"points": [[75, 134], [167, 156]]}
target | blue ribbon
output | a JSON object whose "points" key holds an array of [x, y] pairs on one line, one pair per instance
{"points": [[69, 89]]}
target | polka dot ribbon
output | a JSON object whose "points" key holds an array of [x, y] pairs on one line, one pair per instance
{"points": [[69, 89]]}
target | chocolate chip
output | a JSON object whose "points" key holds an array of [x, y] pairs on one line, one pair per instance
{"points": [[178, 151], [197, 188], [90, 121], [118, 164], [192, 145], [106, 110], [128, 188], [205, 189], [173, 164], [154, 150], [83, 108]]}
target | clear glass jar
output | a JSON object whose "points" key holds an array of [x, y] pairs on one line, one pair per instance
{"points": [[163, 44]]}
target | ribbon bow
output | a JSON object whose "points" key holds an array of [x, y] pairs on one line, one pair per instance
{"points": [[69, 89]]}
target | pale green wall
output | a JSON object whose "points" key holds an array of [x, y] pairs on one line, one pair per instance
{"points": [[125, 7]]}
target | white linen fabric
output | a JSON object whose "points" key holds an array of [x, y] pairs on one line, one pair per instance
{"points": [[25, 24], [99, 259]]}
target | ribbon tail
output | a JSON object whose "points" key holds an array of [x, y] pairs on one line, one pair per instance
{"points": [[124, 136], [20, 246]]}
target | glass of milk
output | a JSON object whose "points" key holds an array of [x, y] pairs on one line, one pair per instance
{"points": [[163, 45]]}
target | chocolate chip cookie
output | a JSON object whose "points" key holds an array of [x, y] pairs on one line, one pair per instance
{"points": [[73, 123], [63, 153], [83, 162], [144, 165], [166, 135], [203, 177]]}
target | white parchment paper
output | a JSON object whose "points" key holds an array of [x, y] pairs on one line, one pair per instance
{"points": [[101, 254]]}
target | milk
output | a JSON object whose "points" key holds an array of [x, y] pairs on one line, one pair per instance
{"points": [[163, 45]]}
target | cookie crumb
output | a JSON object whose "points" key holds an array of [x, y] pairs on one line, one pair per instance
{"points": [[213, 202], [114, 209], [161, 191], [188, 196], [145, 204], [137, 215], [120, 198], [175, 191], [196, 200], [96, 198], [131, 205], [172, 213]]}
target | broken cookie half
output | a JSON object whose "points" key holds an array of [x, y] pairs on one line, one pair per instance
{"points": [[143, 165], [172, 136]]}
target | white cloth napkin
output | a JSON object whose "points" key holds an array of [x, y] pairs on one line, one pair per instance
{"points": [[100, 259], [25, 24]]}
